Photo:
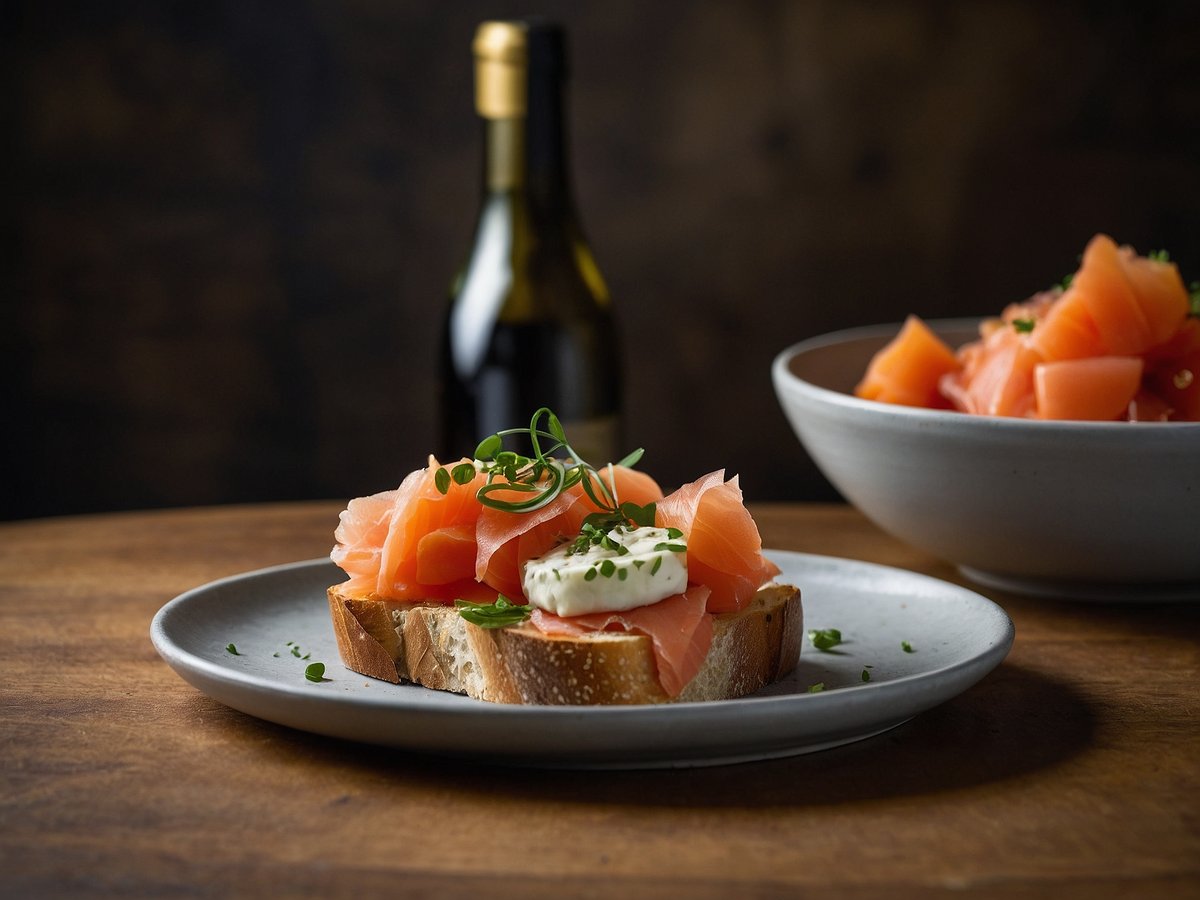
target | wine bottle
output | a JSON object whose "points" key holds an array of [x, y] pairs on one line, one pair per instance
{"points": [[530, 323]]}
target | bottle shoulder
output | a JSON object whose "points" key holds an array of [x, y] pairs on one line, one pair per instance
{"points": [[536, 258]]}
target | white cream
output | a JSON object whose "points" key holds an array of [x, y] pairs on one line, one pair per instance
{"points": [[639, 566]]}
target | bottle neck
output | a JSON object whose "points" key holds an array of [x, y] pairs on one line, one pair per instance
{"points": [[528, 153]]}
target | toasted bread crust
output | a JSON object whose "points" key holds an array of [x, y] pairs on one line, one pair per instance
{"points": [[432, 645]]}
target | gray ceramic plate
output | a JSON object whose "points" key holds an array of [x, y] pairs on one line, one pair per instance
{"points": [[956, 637]]}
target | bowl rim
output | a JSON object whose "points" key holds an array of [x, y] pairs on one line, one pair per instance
{"points": [[785, 379]]}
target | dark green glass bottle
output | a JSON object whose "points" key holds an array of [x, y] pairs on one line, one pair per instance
{"points": [[530, 323]]}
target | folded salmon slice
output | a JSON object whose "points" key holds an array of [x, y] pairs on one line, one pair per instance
{"points": [[360, 535], [996, 378], [678, 627], [1118, 304], [724, 547], [382, 538]]}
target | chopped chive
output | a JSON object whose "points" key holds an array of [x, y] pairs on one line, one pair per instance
{"points": [[499, 614], [906, 647], [825, 638], [655, 567], [590, 574], [607, 568], [866, 676]]}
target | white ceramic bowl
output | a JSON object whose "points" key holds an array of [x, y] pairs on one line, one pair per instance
{"points": [[1092, 510]]}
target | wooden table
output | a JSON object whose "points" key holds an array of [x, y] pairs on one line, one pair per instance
{"points": [[1072, 770]]}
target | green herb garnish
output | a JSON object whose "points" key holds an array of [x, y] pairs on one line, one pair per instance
{"points": [[315, 672], [232, 649], [906, 647], [499, 614], [1194, 299], [816, 688], [866, 676], [1161, 256], [543, 477], [441, 480], [1023, 326], [825, 638]]}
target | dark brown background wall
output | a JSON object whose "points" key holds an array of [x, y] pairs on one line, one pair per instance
{"points": [[229, 226]]}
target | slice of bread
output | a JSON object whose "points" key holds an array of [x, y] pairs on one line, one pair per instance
{"points": [[432, 645]]}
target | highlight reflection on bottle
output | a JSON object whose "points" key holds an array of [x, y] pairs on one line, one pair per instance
{"points": [[530, 322]]}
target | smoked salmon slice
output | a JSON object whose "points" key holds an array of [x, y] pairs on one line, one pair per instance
{"points": [[1174, 373], [996, 375], [415, 509], [678, 627], [909, 369], [724, 548], [360, 535], [1099, 388], [1119, 307]]}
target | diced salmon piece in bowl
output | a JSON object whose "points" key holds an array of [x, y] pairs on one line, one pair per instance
{"points": [[1054, 448]]}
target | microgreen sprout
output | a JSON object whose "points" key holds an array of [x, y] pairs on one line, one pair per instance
{"points": [[541, 478]]}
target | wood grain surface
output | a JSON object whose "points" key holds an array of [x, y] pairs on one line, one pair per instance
{"points": [[1071, 770]]}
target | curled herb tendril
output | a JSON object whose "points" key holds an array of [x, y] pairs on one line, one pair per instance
{"points": [[540, 479]]}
